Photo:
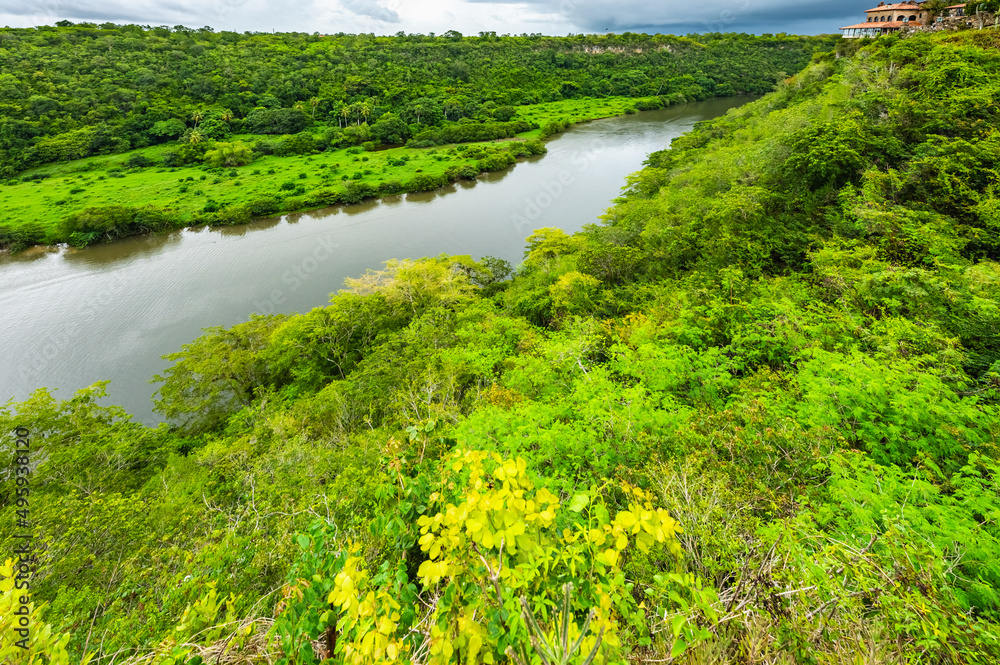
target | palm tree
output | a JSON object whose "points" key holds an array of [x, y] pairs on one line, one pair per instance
{"points": [[345, 111], [299, 106], [314, 102], [418, 108], [195, 137], [365, 109], [227, 115], [197, 116]]}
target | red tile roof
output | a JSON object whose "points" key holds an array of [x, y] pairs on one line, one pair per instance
{"points": [[902, 5]]}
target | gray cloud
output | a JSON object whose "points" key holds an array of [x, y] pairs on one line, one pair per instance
{"points": [[371, 9], [551, 16], [220, 14], [706, 16]]}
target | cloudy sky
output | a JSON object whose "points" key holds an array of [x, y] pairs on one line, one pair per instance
{"points": [[551, 17]]}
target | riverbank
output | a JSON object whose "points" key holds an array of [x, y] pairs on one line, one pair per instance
{"points": [[111, 310], [101, 199]]}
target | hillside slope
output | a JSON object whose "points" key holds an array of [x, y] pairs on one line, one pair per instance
{"points": [[752, 417]]}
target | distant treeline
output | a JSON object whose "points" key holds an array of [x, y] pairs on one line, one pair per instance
{"points": [[70, 91]]}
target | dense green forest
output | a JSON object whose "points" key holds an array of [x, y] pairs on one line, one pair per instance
{"points": [[750, 417], [166, 102]]}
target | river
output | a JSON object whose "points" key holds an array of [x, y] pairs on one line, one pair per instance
{"points": [[73, 317]]}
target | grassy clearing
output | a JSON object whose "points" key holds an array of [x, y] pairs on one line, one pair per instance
{"points": [[188, 191]]}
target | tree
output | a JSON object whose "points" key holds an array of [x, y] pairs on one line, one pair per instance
{"points": [[416, 285], [229, 154], [390, 129], [217, 374], [504, 113], [169, 129]]}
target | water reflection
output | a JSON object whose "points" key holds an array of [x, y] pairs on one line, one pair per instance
{"points": [[74, 317], [105, 256]]}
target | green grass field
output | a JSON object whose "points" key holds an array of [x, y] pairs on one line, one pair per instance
{"points": [[69, 187]]}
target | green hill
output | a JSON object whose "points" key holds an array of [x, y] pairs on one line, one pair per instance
{"points": [[751, 417], [115, 130]]}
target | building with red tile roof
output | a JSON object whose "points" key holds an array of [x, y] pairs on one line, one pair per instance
{"points": [[886, 19]]}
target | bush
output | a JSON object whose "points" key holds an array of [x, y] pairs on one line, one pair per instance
{"points": [[302, 143], [391, 187], [263, 206], [324, 197], [650, 104], [18, 238], [110, 222], [235, 215], [535, 147], [138, 161], [356, 192], [498, 161], [464, 172], [554, 127], [425, 182]]}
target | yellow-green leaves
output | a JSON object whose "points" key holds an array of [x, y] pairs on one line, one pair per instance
{"points": [[368, 618], [493, 539], [497, 510], [38, 644]]}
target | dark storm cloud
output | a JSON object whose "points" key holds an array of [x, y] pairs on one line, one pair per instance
{"points": [[707, 16]]}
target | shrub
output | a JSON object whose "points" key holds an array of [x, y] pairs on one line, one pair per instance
{"points": [[18, 238], [264, 205], [116, 221], [391, 187], [498, 161], [425, 182], [355, 192], [138, 161], [302, 143]]}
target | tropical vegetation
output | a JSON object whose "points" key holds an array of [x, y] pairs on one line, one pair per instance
{"points": [[751, 416], [106, 130]]}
